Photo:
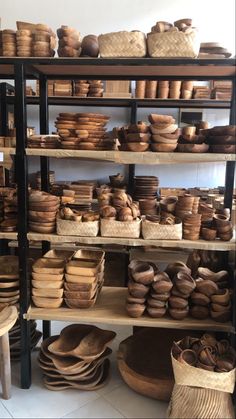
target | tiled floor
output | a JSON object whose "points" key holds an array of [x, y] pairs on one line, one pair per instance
{"points": [[115, 400]]}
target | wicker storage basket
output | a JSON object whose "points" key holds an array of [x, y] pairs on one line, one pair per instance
{"points": [[113, 228], [200, 393], [155, 231], [173, 44], [75, 228], [122, 44]]}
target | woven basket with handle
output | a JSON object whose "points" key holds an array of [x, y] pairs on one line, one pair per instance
{"points": [[122, 44], [173, 44]]}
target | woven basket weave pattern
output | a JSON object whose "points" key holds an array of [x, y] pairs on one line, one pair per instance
{"points": [[130, 229], [154, 231], [122, 44], [75, 228], [173, 44]]}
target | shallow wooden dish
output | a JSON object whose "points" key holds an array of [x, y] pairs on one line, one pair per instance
{"points": [[47, 284], [80, 303], [49, 266], [82, 295], [148, 372], [47, 302], [91, 255], [41, 228], [11, 300], [193, 148], [8, 284], [137, 146], [47, 277], [59, 254], [82, 268], [80, 286], [161, 147], [47, 292], [78, 279], [82, 341]]}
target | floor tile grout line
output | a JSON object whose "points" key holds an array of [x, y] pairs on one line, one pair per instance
{"points": [[82, 405], [114, 407], [6, 409]]}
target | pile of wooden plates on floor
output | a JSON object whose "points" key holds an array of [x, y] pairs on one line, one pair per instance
{"points": [[43, 141], [9, 281], [83, 131], [164, 131], [15, 339], [84, 279], [47, 282], [78, 358], [42, 211], [145, 187]]}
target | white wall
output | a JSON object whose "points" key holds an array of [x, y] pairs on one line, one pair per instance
{"points": [[215, 22]]}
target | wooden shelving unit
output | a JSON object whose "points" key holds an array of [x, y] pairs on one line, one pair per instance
{"points": [[110, 308]]}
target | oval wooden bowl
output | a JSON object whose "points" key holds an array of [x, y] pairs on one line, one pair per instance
{"points": [[82, 268], [82, 341], [47, 292], [43, 302], [161, 147], [47, 277], [49, 266], [56, 285]]}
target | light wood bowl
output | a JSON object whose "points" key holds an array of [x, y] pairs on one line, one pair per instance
{"points": [[47, 292], [47, 284], [47, 302], [49, 266], [47, 277], [82, 268]]}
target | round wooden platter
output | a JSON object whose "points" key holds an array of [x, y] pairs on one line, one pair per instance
{"points": [[145, 364]]}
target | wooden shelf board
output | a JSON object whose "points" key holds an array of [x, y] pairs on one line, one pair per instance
{"points": [[128, 157], [8, 235], [188, 244], [8, 150], [110, 309]]}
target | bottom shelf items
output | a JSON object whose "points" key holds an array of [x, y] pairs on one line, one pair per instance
{"points": [[110, 309]]}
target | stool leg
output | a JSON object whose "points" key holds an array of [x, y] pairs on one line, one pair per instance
{"points": [[5, 366]]}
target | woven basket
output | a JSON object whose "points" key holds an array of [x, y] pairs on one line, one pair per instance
{"points": [[122, 44], [128, 229], [75, 228], [173, 44], [154, 231]]}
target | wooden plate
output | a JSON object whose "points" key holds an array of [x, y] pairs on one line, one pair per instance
{"points": [[9, 284]]}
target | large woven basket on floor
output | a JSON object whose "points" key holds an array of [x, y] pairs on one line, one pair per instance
{"points": [[173, 44], [200, 393], [122, 44], [77, 228], [155, 231], [127, 229]]}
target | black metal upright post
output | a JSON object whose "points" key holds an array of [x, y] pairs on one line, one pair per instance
{"points": [[44, 165], [4, 120], [131, 167], [22, 195], [230, 165]]}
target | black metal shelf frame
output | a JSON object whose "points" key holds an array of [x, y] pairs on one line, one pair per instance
{"points": [[34, 68]]}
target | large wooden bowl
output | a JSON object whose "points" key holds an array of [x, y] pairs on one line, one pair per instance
{"points": [[145, 364]]}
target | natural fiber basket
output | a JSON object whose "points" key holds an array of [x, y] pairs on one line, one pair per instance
{"points": [[155, 231], [173, 44], [77, 228], [122, 44], [113, 228]]}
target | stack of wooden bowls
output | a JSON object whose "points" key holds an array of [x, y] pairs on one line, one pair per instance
{"points": [[187, 89], [43, 141], [192, 226], [15, 339], [43, 208], [9, 281], [164, 131], [145, 187], [84, 279], [207, 212], [81, 88], [222, 139], [24, 42], [134, 137], [184, 205], [175, 89], [47, 282], [191, 142], [83, 191], [224, 227], [78, 358], [163, 89], [96, 88], [159, 295], [43, 41], [69, 44], [9, 43], [178, 302]]}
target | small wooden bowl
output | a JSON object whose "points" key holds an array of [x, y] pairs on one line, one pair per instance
{"points": [[135, 310], [165, 148], [206, 287], [138, 147], [200, 299], [178, 314], [156, 312], [221, 316], [222, 297], [137, 290], [44, 302], [152, 302], [178, 302], [188, 356], [208, 233], [199, 312]]}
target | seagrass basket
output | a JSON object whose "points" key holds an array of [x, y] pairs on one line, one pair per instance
{"points": [[122, 44], [173, 44]]}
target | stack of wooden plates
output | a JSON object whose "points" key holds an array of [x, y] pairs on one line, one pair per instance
{"points": [[83, 131], [145, 187], [9, 43], [84, 279], [9, 280], [43, 208], [83, 191], [81, 88], [15, 339], [96, 88], [43, 141], [47, 282], [78, 358]]}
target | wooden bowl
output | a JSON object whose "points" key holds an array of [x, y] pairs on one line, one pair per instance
{"points": [[224, 148], [82, 341], [137, 146], [133, 300], [177, 302], [137, 290], [44, 302], [193, 148], [200, 299], [161, 147], [41, 228], [47, 277], [163, 284], [80, 303], [208, 233], [156, 312], [47, 292], [178, 313], [206, 287], [199, 312], [47, 284], [141, 272], [162, 140], [84, 268], [173, 268], [155, 303], [184, 283], [59, 254], [221, 316], [160, 297], [138, 137], [207, 273], [222, 297], [49, 266], [134, 309]]}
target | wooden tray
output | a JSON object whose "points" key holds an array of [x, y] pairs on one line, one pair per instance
{"points": [[49, 266]]}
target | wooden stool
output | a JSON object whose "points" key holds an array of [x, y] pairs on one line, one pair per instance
{"points": [[8, 318]]}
